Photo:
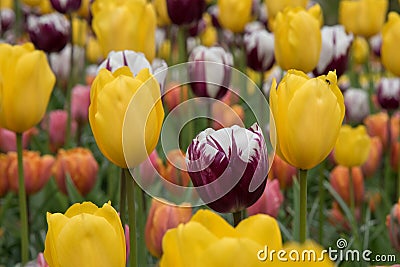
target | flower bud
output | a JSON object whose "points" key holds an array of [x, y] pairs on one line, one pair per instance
{"points": [[360, 50], [66, 6], [377, 126], [174, 95], [225, 116], [210, 71], [150, 169], [228, 167], [185, 11], [234, 16], [162, 217], [334, 51], [389, 93], [374, 158], [37, 171], [80, 165], [340, 181], [8, 141], [50, 32], [282, 171], [55, 124], [3, 175], [80, 101], [393, 226], [259, 50], [357, 104], [175, 171], [270, 201]]}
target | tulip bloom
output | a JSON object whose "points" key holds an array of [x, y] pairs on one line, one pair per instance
{"points": [[3, 174], [374, 157], [282, 171], [340, 181], [162, 217], [80, 101], [352, 146], [37, 171], [270, 201], [160, 6], [273, 7], [185, 11], [360, 50], [111, 95], [80, 165], [363, 17], [357, 104], [7, 19], [27, 83], [125, 25], [150, 169], [393, 226], [234, 14], [377, 126], [390, 40], [388, 93], [308, 114], [66, 6], [208, 240], [228, 167], [259, 50], [335, 50], [85, 236], [8, 139], [298, 38], [208, 79]]}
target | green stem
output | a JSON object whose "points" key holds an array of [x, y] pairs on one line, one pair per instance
{"points": [[321, 216], [387, 166], [209, 114], [18, 20], [131, 218], [181, 38], [303, 205], [122, 198], [140, 216], [352, 197], [22, 203], [237, 217], [69, 86]]}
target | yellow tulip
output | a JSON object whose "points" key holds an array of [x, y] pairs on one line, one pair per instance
{"points": [[234, 14], [45, 7], [83, 11], [360, 50], [298, 38], [160, 7], [26, 85], [31, 3], [79, 31], [308, 254], [308, 114], [93, 51], [352, 146], [85, 236], [207, 240], [128, 25], [110, 95], [273, 7], [390, 40], [7, 4], [363, 17]]}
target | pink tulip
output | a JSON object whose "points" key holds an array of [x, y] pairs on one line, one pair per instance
{"points": [[80, 101], [8, 139], [270, 201]]}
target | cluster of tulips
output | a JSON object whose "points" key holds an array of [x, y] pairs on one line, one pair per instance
{"points": [[199, 132]]}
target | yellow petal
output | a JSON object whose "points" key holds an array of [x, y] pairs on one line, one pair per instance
{"points": [[78, 208], [214, 223], [55, 222]]}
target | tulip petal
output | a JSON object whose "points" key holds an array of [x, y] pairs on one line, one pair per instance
{"points": [[78, 208], [214, 223], [262, 229], [56, 222]]}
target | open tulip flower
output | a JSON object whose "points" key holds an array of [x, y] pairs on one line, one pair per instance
{"points": [[228, 167], [391, 37], [85, 236]]}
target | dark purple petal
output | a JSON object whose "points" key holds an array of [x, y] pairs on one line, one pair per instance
{"points": [[66, 6], [185, 11]]}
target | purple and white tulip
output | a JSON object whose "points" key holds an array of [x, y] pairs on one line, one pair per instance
{"points": [[357, 104], [7, 19], [60, 62], [49, 32], [214, 11], [375, 42], [66, 6], [334, 51], [228, 167], [136, 62], [185, 11], [388, 93], [259, 50], [210, 71]]}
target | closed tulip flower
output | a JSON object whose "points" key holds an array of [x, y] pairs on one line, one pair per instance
{"points": [[37, 171], [259, 50], [150, 170], [377, 126], [81, 167], [185, 11], [357, 104], [226, 116], [374, 157], [31, 3], [162, 217], [210, 79], [160, 6], [302, 29], [8, 139], [390, 39], [234, 15], [93, 51], [208, 240], [50, 32], [228, 167], [270, 201], [85, 236], [335, 50], [80, 101], [340, 181], [360, 50], [125, 25], [388, 93], [4, 184], [282, 171], [393, 226], [363, 17], [27, 83], [7, 19], [111, 94], [352, 146], [274, 7], [66, 6], [298, 105]]}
